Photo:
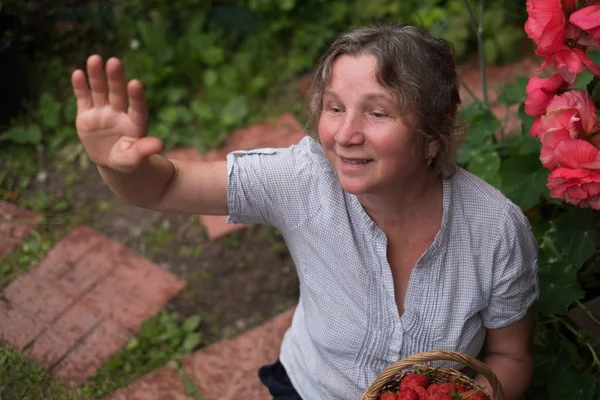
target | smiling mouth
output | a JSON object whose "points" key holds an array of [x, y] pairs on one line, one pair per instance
{"points": [[355, 161]]}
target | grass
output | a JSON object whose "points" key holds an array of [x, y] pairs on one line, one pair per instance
{"points": [[163, 340]]}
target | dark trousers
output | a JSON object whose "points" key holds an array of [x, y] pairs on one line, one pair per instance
{"points": [[276, 379]]}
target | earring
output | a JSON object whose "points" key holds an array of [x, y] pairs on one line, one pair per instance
{"points": [[429, 159]]}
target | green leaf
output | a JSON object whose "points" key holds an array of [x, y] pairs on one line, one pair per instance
{"points": [[514, 93], [234, 111], [558, 288], [191, 323], [24, 134], [490, 50], [575, 237], [526, 120], [202, 111], [481, 126], [50, 110], [583, 79], [523, 180], [191, 341], [487, 167], [571, 385]]}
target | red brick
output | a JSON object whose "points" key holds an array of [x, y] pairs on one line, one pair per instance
{"points": [[94, 266], [63, 334], [91, 353], [18, 328], [15, 225], [63, 256], [146, 281], [114, 300], [162, 384], [37, 296], [225, 369]]}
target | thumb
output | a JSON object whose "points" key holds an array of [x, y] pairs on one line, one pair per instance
{"points": [[133, 150]]}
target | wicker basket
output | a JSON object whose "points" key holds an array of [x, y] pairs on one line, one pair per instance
{"points": [[391, 376]]}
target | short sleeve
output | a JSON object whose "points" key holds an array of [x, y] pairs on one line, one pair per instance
{"points": [[277, 187], [515, 285]]}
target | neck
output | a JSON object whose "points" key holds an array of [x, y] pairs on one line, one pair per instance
{"points": [[404, 203]]}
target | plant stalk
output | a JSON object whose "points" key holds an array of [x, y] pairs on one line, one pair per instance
{"points": [[478, 27]]}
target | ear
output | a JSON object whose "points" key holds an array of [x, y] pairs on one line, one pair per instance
{"points": [[433, 148]]}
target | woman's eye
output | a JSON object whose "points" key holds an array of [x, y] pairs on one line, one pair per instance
{"points": [[336, 110], [378, 115]]}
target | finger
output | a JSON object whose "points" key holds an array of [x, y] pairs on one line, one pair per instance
{"points": [[81, 90], [132, 151], [97, 81], [117, 87], [138, 106]]}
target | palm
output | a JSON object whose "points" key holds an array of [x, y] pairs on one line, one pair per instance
{"points": [[111, 117]]}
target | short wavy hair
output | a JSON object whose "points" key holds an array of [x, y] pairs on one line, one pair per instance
{"points": [[416, 68]]}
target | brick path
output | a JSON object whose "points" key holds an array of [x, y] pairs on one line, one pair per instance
{"points": [[82, 303]]}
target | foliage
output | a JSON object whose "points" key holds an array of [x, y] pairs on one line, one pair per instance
{"points": [[566, 360]]}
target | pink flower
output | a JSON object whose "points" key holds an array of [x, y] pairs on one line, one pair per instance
{"points": [[540, 92], [568, 62], [579, 187], [545, 24], [550, 141], [585, 121], [588, 19], [577, 154]]}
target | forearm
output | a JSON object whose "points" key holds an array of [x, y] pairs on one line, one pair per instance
{"points": [[513, 373], [146, 185]]}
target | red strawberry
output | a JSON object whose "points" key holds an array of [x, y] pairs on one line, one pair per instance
{"points": [[387, 396], [407, 394], [475, 395], [422, 392], [445, 388], [414, 380], [439, 396]]}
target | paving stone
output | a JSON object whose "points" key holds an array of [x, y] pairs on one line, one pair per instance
{"points": [[94, 266], [15, 225], [64, 255], [38, 297], [162, 384], [230, 367], [91, 353], [283, 132], [134, 291], [64, 334], [18, 328]]}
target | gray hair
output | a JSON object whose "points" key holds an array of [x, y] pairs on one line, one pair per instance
{"points": [[416, 68]]}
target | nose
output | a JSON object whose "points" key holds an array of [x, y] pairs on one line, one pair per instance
{"points": [[350, 130]]}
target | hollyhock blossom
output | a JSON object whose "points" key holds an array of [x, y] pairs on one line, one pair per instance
{"points": [[545, 24], [579, 187], [568, 62], [540, 92], [569, 116], [577, 153], [588, 19]]}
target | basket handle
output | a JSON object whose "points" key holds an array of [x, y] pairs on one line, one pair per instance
{"points": [[372, 392]]}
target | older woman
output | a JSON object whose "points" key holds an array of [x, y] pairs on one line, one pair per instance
{"points": [[397, 250]]}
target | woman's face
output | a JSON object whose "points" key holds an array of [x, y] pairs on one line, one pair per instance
{"points": [[365, 137]]}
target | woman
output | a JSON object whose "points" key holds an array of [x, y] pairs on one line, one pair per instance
{"points": [[397, 250]]}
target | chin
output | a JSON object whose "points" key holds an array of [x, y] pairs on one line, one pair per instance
{"points": [[355, 188]]}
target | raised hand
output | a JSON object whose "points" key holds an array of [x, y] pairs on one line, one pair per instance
{"points": [[112, 116]]}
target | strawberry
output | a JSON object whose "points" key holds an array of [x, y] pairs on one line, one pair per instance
{"points": [[445, 388], [422, 393], [414, 380], [387, 396], [475, 394], [439, 396], [407, 394]]}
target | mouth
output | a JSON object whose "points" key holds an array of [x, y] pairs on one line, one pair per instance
{"points": [[356, 160]]}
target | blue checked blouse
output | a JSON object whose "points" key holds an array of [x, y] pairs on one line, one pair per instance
{"points": [[480, 271]]}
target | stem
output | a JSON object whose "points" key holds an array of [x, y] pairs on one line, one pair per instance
{"points": [[479, 31], [587, 312]]}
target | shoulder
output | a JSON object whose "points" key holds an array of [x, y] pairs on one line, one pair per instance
{"points": [[477, 199]]}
